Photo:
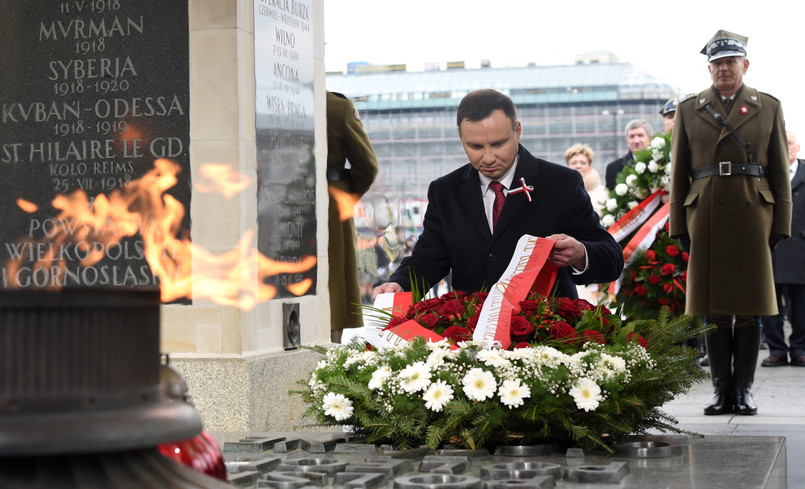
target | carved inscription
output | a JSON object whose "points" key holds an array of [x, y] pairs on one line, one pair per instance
{"points": [[93, 91], [284, 120]]}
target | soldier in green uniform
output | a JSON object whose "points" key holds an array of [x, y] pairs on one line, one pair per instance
{"points": [[346, 141], [730, 205]]}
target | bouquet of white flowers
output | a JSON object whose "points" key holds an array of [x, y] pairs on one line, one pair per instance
{"points": [[588, 379]]}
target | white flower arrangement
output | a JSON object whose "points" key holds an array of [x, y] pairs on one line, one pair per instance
{"points": [[650, 172], [585, 377]]}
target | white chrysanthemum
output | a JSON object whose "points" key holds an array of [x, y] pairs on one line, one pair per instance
{"points": [[337, 406], [631, 180], [437, 345], [632, 204], [665, 180], [615, 363], [436, 358], [640, 167], [438, 394], [512, 393], [587, 394], [364, 357], [379, 377], [493, 358], [607, 221], [621, 189], [414, 378], [548, 355], [612, 205], [653, 166], [479, 384], [658, 143]]}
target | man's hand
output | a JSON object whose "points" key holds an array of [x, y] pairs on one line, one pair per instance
{"points": [[567, 251], [386, 288]]}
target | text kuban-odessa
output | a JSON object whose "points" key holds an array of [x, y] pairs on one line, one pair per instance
{"points": [[16, 112]]}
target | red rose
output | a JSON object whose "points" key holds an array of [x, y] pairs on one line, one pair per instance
{"points": [[633, 275], [451, 309], [650, 256], [456, 334], [529, 308], [472, 322], [568, 308], [685, 256], [684, 276], [672, 250], [663, 301], [640, 290], [591, 335], [520, 326], [638, 338], [563, 332], [427, 305], [454, 294], [396, 321], [654, 279], [667, 269], [605, 311], [428, 320], [583, 304], [667, 288], [522, 344]]}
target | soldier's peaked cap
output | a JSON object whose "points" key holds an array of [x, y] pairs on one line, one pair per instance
{"points": [[723, 44]]}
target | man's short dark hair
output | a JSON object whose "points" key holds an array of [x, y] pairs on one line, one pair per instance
{"points": [[479, 104]]}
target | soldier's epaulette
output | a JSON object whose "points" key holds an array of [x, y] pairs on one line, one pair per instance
{"points": [[687, 97], [769, 95]]}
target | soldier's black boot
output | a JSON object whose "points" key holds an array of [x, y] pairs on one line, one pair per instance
{"points": [[746, 344], [719, 351]]}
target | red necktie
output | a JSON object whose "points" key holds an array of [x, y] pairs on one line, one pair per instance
{"points": [[500, 197]]}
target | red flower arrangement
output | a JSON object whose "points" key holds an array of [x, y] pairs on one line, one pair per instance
{"points": [[559, 321], [657, 278]]}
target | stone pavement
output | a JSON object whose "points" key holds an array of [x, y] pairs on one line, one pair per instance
{"points": [[779, 393]]}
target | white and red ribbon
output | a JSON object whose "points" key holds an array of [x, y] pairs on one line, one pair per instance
{"points": [[528, 265], [642, 241], [635, 217]]}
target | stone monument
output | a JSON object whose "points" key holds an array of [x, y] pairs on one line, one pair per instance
{"points": [[95, 92]]}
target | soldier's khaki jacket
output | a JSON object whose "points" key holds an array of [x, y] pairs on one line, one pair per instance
{"points": [[730, 218]]}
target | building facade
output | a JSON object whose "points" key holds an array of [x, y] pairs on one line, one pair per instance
{"points": [[410, 119]]}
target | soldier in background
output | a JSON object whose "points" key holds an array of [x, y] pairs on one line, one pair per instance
{"points": [[346, 141], [668, 113], [730, 205]]}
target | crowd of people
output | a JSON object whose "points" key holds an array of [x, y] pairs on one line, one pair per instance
{"points": [[733, 180]]}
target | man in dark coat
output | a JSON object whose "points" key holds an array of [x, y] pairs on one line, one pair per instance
{"points": [[730, 205], [638, 136], [346, 141], [789, 276], [459, 232]]}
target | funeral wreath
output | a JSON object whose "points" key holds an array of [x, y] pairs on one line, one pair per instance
{"points": [[575, 374]]}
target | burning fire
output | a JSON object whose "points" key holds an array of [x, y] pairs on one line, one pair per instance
{"points": [[345, 200], [234, 278]]}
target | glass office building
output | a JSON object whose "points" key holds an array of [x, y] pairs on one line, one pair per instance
{"points": [[410, 119]]}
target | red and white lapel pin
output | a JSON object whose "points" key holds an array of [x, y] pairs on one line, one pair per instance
{"points": [[527, 189]]}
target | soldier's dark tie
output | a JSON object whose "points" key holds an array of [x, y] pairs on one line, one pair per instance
{"points": [[500, 197]]}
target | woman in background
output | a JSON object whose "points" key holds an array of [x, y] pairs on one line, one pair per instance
{"points": [[580, 158]]}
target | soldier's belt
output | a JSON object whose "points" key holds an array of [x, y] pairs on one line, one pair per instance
{"points": [[727, 168], [336, 174]]}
